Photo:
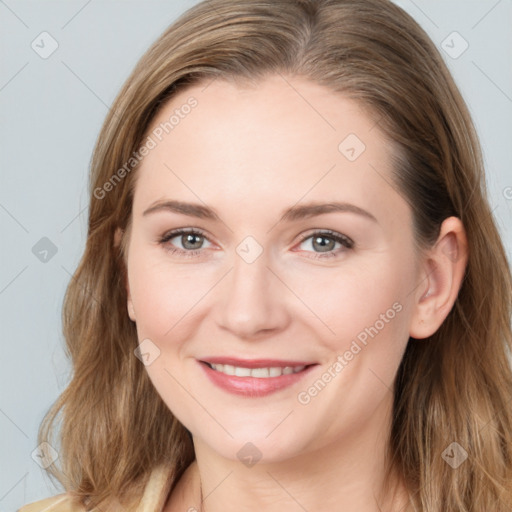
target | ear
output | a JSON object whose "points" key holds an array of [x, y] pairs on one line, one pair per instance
{"points": [[442, 273], [118, 235], [131, 311]]}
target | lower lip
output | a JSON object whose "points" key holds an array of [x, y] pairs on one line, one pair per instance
{"points": [[253, 386]]}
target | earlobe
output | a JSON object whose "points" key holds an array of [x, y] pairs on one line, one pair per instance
{"points": [[443, 271], [129, 302], [118, 235], [131, 311]]}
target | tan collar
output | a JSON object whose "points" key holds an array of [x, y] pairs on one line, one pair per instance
{"points": [[153, 498], [157, 490]]}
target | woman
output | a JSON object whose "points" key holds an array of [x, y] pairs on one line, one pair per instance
{"points": [[336, 336]]}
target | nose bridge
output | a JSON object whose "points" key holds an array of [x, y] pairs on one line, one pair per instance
{"points": [[252, 299]]}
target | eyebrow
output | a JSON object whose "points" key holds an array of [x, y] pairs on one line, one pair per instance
{"points": [[291, 214]]}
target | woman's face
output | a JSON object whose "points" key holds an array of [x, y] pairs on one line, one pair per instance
{"points": [[276, 320]]}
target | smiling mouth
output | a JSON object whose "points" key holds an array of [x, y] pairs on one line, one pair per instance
{"points": [[254, 378], [259, 373]]}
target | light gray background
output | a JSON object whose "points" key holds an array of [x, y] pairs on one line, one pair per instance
{"points": [[51, 112]]}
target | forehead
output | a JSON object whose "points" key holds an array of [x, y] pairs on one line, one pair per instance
{"points": [[276, 141]]}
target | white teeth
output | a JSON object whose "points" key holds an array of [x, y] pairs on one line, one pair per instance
{"points": [[275, 372], [242, 372], [229, 369], [261, 373]]}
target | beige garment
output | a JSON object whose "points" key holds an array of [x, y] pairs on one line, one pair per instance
{"points": [[153, 499]]}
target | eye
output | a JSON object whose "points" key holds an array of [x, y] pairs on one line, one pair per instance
{"points": [[191, 241], [325, 242]]}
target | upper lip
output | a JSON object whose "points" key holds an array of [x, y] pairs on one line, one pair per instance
{"points": [[255, 363]]}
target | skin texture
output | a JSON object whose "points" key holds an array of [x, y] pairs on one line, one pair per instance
{"points": [[250, 153]]}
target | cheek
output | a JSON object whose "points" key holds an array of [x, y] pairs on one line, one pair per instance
{"points": [[163, 298], [163, 294], [344, 303]]}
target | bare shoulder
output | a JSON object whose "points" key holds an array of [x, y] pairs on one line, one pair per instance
{"points": [[59, 503]]}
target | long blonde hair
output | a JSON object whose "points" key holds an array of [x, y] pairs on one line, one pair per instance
{"points": [[453, 387]]}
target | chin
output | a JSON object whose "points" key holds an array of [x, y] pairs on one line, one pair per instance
{"points": [[252, 442]]}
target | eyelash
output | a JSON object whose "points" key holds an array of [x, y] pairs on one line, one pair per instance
{"points": [[337, 237]]}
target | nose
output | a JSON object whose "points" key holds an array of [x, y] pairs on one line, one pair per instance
{"points": [[253, 300]]}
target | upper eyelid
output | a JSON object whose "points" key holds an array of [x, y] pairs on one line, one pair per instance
{"points": [[183, 231], [327, 233], [180, 231]]}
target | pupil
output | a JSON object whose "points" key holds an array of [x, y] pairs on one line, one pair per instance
{"points": [[190, 238], [323, 246]]}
